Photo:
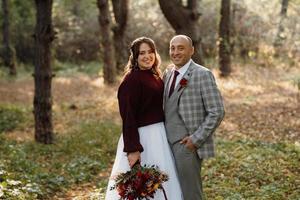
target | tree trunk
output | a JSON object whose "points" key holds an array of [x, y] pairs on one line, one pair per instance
{"points": [[43, 37], [233, 33], [120, 9], [76, 9], [224, 38], [184, 20], [106, 41], [8, 52], [280, 37]]}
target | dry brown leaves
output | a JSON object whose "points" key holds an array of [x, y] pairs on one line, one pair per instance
{"points": [[261, 104]]}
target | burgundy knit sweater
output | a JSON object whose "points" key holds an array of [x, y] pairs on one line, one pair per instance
{"points": [[140, 98]]}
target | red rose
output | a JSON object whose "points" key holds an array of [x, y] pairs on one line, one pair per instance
{"points": [[146, 176], [183, 82], [130, 197], [139, 174], [140, 183], [137, 184]]}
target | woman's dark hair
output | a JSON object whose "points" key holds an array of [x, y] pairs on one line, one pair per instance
{"points": [[134, 54]]}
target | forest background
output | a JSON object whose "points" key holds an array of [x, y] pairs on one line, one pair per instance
{"points": [[65, 148]]}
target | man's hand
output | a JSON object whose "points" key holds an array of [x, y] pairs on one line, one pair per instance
{"points": [[188, 143], [133, 157]]}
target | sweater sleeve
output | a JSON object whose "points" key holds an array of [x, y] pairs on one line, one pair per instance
{"points": [[129, 95]]}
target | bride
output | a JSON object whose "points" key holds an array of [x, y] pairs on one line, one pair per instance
{"points": [[140, 97]]}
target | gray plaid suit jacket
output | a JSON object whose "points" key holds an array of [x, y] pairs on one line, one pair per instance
{"points": [[200, 106]]}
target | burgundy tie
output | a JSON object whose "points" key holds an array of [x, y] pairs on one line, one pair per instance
{"points": [[176, 73]]}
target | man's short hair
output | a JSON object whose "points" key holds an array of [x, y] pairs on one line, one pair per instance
{"points": [[186, 37]]}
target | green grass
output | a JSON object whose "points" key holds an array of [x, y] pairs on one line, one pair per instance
{"points": [[243, 169], [252, 170], [75, 158], [66, 69], [24, 72], [11, 117]]}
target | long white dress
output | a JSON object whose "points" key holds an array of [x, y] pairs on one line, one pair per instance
{"points": [[156, 152]]}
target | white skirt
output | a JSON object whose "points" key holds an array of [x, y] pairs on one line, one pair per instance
{"points": [[156, 152]]}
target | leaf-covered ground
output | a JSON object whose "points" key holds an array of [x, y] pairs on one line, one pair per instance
{"points": [[258, 141], [262, 104]]}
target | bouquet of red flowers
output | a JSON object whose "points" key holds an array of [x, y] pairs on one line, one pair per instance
{"points": [[141, 182]]}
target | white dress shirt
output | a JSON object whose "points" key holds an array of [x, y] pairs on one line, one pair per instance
{"points": [[181, 71]]}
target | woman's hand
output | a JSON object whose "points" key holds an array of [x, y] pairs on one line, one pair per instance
{"points": [[133, 157]]}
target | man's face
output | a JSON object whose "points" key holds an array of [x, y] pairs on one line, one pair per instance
{"points": [[180, 51]]}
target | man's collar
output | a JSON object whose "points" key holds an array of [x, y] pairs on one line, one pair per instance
{"points": [[184, 68]]}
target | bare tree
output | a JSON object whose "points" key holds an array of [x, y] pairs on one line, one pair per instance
{"points": [[233, 32], [184, 20], [120, 9], [224, 39], [8, 53], [43, 37], [280, 37], [109, 69]]}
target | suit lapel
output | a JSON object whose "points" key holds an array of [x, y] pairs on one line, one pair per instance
{"points": [[179, 89], [168, 78], [166, 83]]}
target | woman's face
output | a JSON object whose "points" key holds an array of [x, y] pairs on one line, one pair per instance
{"points": [[146, 57]]}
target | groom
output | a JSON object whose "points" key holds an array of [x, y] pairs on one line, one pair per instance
{"points": [[193, 110]]}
